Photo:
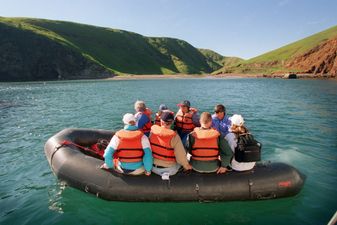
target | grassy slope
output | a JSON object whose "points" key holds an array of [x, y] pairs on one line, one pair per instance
{"points": [[273, 61], [117, 50]]}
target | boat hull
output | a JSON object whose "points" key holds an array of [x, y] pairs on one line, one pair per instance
{"points": [[78, 170]]}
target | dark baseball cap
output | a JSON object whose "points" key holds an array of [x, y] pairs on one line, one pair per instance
{"points": [[167, 116], [185, 103], [162, 107]]}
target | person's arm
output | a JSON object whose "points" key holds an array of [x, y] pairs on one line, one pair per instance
{"points": [[109, 151], [225, 152], [180, 153], [195, 119], [147, 158], [142, 121]]}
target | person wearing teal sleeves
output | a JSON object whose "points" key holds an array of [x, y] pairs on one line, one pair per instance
{"points": [[133, 151]]}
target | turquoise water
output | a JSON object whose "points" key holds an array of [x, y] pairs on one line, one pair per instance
{"points": [[296, 120]]}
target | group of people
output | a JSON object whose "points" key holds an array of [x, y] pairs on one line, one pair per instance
{"points": [[204, 143]]}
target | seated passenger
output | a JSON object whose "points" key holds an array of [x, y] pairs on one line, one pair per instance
{"points": [[220, 120], [205, 146], [132, 148], [186, 120], [162, 108], [167, 149], [236, 129], [143, 117]]}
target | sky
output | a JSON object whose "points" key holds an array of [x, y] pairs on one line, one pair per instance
{"points": [[241, 28]]}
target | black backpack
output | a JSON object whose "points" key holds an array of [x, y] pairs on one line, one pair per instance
{"points": [[248, 149]]}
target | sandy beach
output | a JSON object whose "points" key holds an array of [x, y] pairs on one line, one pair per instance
{"points": [[210, 76]]}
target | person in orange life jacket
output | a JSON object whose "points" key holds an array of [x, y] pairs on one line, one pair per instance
{"points": [[205, 146], [186, 119], [167, 149], [143, 117], [132, 149], [162, 108], [236, 129]]}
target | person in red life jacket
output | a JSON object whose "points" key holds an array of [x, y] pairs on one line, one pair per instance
{"points": [[132, 148], [162, 108], [206, 146], [167, 149], [143, 117], [186, 119]]}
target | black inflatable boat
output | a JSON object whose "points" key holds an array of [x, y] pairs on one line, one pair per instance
{"points": [[70, 164]]}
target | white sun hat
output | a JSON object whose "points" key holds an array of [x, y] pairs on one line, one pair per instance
{"points": [[128, 117], [237, 120]]}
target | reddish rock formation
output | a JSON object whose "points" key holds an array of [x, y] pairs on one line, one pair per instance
{"points": [[319, 60]]}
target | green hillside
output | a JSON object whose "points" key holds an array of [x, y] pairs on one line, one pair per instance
{"points": [[111, 50], [217, 61], [276, 60]]}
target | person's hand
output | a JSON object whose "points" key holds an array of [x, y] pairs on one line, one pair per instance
{"points": [[188, 167], [147, 173], [104, 166], [221, 170]]}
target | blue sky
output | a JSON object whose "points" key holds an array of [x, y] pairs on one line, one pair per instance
{"points": [[243, 28]]}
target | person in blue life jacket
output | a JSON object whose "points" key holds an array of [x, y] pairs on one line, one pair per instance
{"points": [[220, 121], [143, 117], [131, 149]]}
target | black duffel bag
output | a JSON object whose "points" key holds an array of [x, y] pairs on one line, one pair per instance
{"points": [[248, 149]]}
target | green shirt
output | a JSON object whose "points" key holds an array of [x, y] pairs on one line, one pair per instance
{"points": [[225, 153]]}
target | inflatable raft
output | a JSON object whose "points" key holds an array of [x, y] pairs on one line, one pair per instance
{"points": [[81, 171]]}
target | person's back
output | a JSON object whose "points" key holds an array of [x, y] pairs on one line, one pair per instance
{"points": [[143, 117], [167, 149], [131, 149], [236, 129], [205, 146]]}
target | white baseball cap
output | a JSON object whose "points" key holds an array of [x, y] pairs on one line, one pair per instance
{"points": [[128, 117], [237, 120]]}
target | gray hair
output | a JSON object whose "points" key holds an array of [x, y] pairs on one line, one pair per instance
{"points": [[140, 106]]}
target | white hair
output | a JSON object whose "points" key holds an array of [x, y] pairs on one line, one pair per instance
{"points": [[140, 106]]}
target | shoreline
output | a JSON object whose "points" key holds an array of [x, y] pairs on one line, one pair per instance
{"points": [[218, 76]]}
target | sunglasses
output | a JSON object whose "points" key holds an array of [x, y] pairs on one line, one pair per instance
{"points": [[218, 112]]}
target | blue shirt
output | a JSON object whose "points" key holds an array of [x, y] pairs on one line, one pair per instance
{"points": [[221, 125], [141, 120]]}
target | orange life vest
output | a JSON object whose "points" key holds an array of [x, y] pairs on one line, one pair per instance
{"points": [[205, 147], [147, 127], [157, 120], [130, 147], [184, 121], [160, 140]]}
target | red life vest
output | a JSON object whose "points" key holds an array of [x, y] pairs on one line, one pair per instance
{"points": [[130, 147], [205, 147], [184, 121], [160, 140]]}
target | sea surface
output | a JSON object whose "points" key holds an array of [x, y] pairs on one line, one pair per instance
{"points": [[296, 120]]}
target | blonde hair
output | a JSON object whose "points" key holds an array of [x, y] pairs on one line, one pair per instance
{"points": [[205, 117], [140, 106]]}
